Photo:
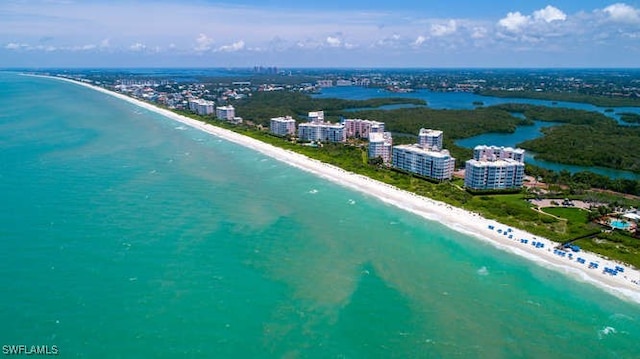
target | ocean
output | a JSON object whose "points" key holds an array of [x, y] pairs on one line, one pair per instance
{"points": [[126, 234]]}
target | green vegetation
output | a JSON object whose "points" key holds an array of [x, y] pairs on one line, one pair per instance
{"points": [[577, 221], [606, 146], [587, 139], [455, 123], [262, 106], [573, 215], [557, 114], [602, 101], [579, 182], [629, 117]]}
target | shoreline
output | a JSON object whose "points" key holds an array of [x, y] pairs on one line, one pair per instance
{"points": [[625, 285]]}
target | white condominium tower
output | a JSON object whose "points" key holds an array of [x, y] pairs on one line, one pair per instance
{"points": [[319, 130], [430, 139], [316, 116], [226, 112], [492, 153], [425, 158], [380, 144], [283, 126], [437, 165], [329, 132], [201, 106], [495, 168]]}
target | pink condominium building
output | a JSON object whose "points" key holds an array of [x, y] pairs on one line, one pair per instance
{"points": [[358, 128]]}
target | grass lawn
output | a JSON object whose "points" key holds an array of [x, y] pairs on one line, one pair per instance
{"points": [[573, 215], [577, 223]]}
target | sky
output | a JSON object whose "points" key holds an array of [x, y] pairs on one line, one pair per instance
{"points": [[327, 33]]}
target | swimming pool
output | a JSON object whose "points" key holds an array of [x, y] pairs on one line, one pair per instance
{"points": [[618, 224]]}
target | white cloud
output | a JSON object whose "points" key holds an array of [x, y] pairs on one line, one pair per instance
{"points": [[138, 46], [310, 44], [48, 48], [301, 34], [419, 40], [83, 47], [236, 46], [514, 21], [203, 43], [444, 29], [333, 41], [479, 32], [350, 46], [15, 46], [388, 41], [622, 12], [549, 14]]}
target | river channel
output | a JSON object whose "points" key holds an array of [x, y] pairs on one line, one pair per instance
{"points": [[465, 101]]}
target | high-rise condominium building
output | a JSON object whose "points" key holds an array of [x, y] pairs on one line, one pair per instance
{"points": [[226, 112], [283, 126], [437, 165], [380, 145], [495, 168], [358, 128]]}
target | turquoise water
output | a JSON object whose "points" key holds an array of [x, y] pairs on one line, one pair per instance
{"points": [[125, 234], [616, 223]]}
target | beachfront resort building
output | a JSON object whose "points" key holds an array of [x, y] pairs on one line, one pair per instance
{"points": [[380, 144], [425, 158], [226, 112], [201, 106], [319, 130], [283, 126], [430, 139], [358, 128], [492, 153], [316, 116], [437, 165], [326, 132], [495, 168]]}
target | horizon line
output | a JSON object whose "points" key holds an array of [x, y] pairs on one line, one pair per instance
{"points": [[229, 68]]}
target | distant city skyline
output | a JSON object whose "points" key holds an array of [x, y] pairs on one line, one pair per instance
{"points": [[455, 33]]}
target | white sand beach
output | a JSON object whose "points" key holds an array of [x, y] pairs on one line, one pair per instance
{"points": [[625, 284]]}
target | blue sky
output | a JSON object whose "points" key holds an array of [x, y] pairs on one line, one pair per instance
{"points": [[329, 33]]}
